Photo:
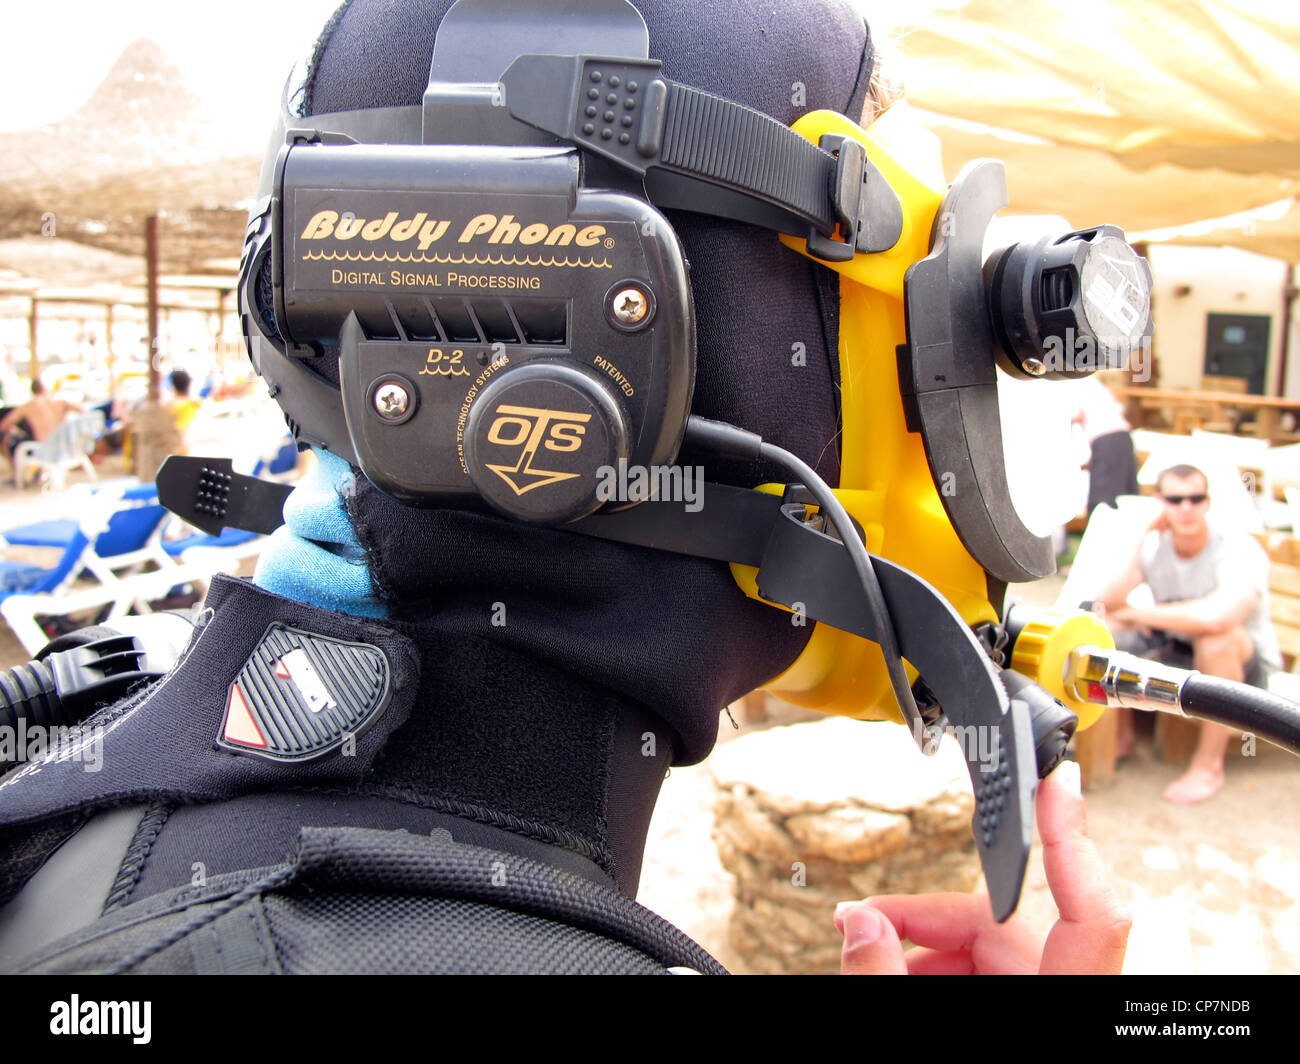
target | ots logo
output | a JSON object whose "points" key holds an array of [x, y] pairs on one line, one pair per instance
{"points": [[530, 428]]}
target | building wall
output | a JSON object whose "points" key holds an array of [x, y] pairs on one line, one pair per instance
{"points": [[1221, 281]]}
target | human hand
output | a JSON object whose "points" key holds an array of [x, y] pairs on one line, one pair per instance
{"points": [[955, 934], [1159, 523], [1121, 619]]}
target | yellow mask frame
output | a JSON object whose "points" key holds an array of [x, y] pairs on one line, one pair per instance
{"points": [[886, 483]]}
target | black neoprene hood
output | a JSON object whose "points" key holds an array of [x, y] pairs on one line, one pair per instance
{"points": [[674, 634]]}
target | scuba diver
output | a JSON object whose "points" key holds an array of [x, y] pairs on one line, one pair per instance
{"points": [[524, 276]]}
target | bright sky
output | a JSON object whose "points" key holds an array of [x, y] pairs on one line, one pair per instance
{"points": [[57, 51]]}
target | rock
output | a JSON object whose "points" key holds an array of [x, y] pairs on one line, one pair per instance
{"points": [[850, 833], [806, 771], [812, 814]]}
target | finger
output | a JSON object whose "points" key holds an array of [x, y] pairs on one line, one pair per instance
{"points": [[963, 923], [871, 945], [1092, 932], [939, 921], [922, 961], [1076, 873]]}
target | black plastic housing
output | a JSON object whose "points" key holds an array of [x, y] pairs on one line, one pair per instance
{"points": [[437, 268], [1063, 307]]}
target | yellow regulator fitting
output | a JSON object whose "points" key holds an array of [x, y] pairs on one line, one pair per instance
{"points": [[1041, 644]]}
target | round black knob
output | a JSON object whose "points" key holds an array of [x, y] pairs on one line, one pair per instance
{"points": [[1064, 307], [537, 439]]}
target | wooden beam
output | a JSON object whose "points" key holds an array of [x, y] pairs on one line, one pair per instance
{"points": [[208, 282], [91, 306]]}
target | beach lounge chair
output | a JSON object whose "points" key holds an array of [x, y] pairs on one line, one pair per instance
{"points": [[118, 536], [226, 550]]}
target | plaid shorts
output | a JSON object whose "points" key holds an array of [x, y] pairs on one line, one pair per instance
{"points": [[1170, 649]]}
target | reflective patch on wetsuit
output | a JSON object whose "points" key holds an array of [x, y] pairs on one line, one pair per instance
{"points": [[301, 695]]}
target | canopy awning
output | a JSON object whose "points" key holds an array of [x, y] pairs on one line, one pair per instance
{"points": [[1149, 115]]}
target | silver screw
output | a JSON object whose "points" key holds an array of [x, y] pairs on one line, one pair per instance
{"points": [[391, 401], [1034, 366], [630, 306]]}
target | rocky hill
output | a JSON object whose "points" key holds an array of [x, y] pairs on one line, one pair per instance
{"points": [[143, 142]]}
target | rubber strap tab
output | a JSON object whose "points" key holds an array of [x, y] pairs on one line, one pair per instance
{"points": [[210, 495], [623, 110]]}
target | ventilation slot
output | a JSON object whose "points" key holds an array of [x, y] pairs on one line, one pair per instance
{"points": [[378, 321], [459, 323], [417, 319], [542, 321], [1058, 288], [497, 321]]}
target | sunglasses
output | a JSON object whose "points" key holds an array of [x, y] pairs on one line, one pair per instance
{"points": [[1178, 500]]}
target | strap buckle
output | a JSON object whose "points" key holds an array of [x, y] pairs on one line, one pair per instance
{"points": [[867, 211]]}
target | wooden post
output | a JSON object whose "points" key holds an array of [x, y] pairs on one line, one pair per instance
{"points": [[1144, 249], [1268, 423], [1288, 304], [34, 362], [222, 295], [1094, 750], [1176, 738], [151, 284], [753, 708], [108, 350]]}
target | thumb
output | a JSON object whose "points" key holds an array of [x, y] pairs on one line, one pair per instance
{"points": [[871, 945], [1092, 933]]}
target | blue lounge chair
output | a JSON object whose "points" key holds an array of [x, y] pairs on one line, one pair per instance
{"points": [[118, 537]]}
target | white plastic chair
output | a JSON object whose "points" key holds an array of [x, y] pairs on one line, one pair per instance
{"points": [[68, 447]]}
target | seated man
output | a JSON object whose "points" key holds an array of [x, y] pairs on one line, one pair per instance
{"points": [[1211, 611], [35, 420]]}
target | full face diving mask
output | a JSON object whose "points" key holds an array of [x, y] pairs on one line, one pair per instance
{"points": [[514, 325]]}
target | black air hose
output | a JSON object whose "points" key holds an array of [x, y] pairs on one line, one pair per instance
{"points": [[1246, 708]]}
